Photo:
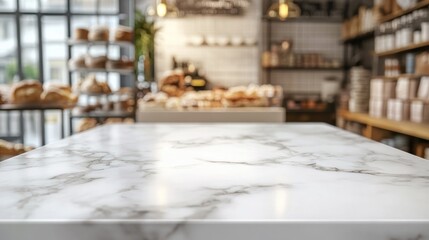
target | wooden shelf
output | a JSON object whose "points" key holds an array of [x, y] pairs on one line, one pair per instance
{"points": [[33, 107], [283, 68], [419, 5], [360, 37], [319, 19], [103, 70], [418, 130], [399, 76], [99, 114], [73, 42], [403, 49]]}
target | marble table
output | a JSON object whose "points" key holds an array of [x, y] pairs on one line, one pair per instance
{"points": [[215, 181]]}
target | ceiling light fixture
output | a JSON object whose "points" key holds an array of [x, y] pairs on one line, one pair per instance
{"points": [[284, 9]]}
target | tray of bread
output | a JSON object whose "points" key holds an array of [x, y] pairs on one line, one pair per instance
{"points": [[32, 95], [175, 95], [97, 97]]}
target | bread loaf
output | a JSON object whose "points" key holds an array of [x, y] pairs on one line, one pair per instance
{"points": [[26, 92]]}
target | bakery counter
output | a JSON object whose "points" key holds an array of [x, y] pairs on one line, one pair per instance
{"points": [[215, 181], [213, 115]]}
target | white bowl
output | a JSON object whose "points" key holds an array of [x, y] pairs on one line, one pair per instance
{"points": [[222, 40], [250, 41], [211, 40], [236, 41], [196, 40]]}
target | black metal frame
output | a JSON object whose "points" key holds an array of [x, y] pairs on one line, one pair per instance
{"points": [[18, 14]]}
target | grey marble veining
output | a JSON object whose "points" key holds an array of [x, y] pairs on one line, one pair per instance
{"points": [[164, 181]]}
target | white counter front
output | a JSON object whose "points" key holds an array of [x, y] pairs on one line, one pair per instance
{"points": [[215, 115], [215, 181]]}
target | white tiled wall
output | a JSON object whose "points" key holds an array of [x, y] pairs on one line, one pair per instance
{"points": [[227, 66], [311, 37]]}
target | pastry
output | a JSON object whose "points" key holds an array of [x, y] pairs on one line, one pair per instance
{"points": [[123, 33], [2, 100], [113, 64], [99, 34], [26, 92], [86, 124], [57, 86], [12, 149], [95, 62], [123, 63], [58, 96], [90, 85], [81, 34], [105, 87], [77, 63], [127, 64]]}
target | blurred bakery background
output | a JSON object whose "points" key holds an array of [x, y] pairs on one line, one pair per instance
{"points": [[67, 66]]}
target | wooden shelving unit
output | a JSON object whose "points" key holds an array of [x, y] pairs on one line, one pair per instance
{"points": [[417, 130], [403, 49], [419, 5], [284, 68], [314, 19], [399, 76]]}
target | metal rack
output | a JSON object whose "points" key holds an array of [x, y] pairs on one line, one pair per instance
{"points": [[126, 14]]}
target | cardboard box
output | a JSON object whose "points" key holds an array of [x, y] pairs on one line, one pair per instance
{"points": [[423, 92], [383, 89], [398, 110], [406, 88], [422, 63], [378, 108], [419, 111]]}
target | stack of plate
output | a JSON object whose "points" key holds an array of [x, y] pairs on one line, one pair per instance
{"points": [[359, 89]]}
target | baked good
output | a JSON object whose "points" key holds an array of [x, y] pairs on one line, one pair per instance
{"points": [[113, 64], [123, 33], [99, 34], [12, 149], [90, 85], [57, 86], [58, 96], [123, 63], [95, 62], [77, 63], [26, 92], [81, 34], [105, 87], [127, 63], [2, 100], [86, 124]]}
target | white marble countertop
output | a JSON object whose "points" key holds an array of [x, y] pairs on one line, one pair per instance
{"points": [[187, 173]]}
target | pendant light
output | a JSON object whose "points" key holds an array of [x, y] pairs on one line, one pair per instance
{"points": [[163, 9], [284, 9]]}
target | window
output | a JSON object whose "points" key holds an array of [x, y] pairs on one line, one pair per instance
{"points": [[31, 59]]}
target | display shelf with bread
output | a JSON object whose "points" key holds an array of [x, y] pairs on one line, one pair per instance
{"points": [[99, 101], [103, 70], [31, 95], [73, 42]]}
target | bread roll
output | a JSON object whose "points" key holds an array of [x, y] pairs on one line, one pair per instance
{"points": [[86, 124], [77, 63], [12, 149], [96, 62], [81, 34], [123, 33], [99, 34], [58, 96], [26, 92], [90, 85]]}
